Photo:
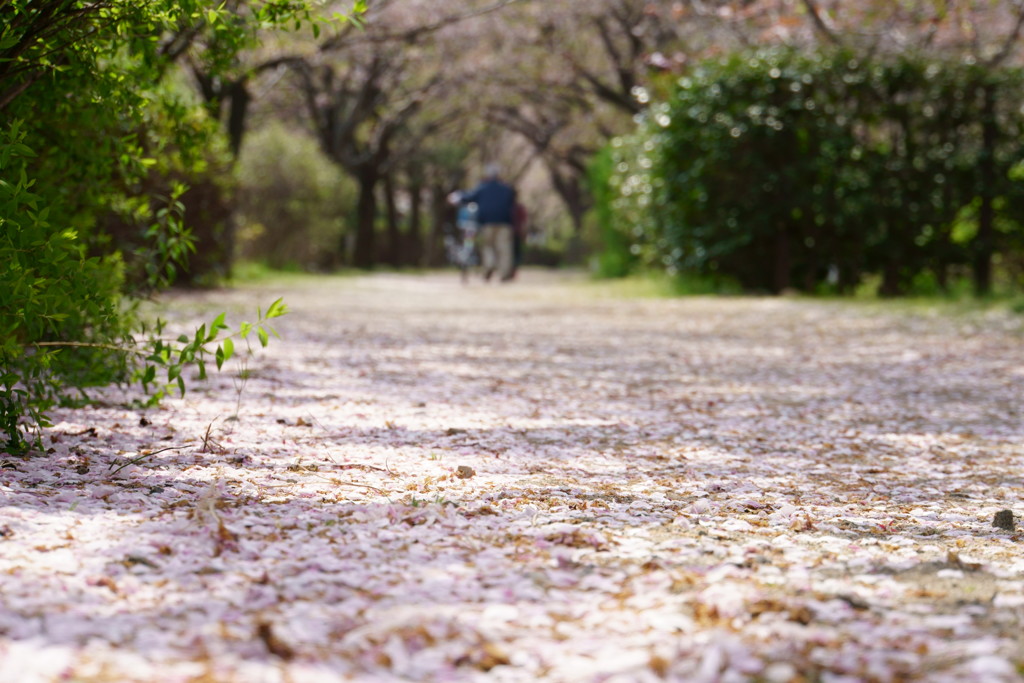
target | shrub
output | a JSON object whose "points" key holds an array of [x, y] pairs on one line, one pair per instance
{"points": [[614, 257], [60, 311], [95, 135], [65, 325], [786, 170], [292, 201]]}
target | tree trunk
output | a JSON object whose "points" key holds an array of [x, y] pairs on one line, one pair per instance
{"points": [[239, 98], [984, 242], [571, 191], [393, 254], [812, 256], [781, 274], [891, 281], [211, 91], [365, 251], [236, 94], [440, 214], [416, 253], [570, 188]]}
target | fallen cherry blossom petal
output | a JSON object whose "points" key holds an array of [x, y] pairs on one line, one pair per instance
{"points": [[430, 481]]}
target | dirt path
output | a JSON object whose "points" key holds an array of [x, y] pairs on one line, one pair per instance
{"points": [[537, 482]]}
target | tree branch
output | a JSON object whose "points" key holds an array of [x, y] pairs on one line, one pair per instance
{"points": [[1011, 39], [819, 23]]}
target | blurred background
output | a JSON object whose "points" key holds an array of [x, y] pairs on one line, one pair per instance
{"points": [[763, 146]]}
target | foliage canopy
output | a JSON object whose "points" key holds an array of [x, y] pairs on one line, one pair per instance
{"points": [[99, 132], [784, 169]]}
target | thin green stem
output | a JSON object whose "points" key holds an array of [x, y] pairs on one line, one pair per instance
{"points": [[142, 457]]}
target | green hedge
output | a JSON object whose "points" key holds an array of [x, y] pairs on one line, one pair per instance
{"points": [[97, 140], [784, 170]]}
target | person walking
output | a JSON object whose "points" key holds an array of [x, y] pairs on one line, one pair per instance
{"points": [[495, 201]]}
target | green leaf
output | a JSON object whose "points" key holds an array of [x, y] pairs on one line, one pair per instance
{"points": [[264, 337], [277, 309], [8, 39]]}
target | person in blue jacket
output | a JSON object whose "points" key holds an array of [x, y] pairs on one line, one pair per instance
{"points": [[495, 201]]}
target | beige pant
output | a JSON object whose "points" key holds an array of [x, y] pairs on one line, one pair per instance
{"points": [[495, 242]]}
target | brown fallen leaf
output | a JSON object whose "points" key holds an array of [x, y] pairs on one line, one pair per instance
{"points": [[488, 657], [659, 665], [275, 646], [106, 582], [493, 656], [953, 558], [224, 539]]}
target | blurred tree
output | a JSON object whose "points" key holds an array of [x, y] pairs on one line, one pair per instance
{"points": [[376, 96], [292, 201], [567, 76], [560, 94], [979, 32], [357, 109]]}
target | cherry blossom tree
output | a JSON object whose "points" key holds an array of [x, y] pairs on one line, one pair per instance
{"points": [[371, 96]]}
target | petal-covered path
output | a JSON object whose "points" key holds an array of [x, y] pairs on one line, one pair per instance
{"points": [[429, 482]]}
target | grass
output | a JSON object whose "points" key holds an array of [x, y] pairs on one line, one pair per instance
{"points": [[251, 274], [959, 302], [659, 285]]}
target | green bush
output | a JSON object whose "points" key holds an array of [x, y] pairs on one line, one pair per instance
{"points": [[632, 187], [171, 220], [614, 256], [293, 201], [785, 170], [65, 324], [60, 311], [95, 147], [78, 147]]}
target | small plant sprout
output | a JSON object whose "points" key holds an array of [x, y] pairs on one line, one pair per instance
{"points": [[216, 340]]}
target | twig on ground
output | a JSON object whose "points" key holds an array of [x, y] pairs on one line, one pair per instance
{"points": [[142, 457], [346, 483], [207, 439]]}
